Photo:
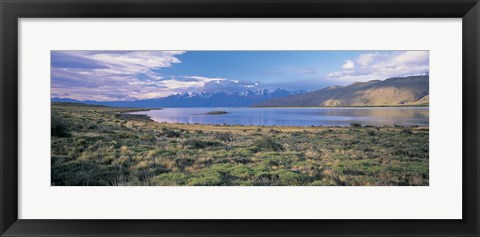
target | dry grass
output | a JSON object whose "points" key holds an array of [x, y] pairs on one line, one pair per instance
{"points": [[105, 147]]}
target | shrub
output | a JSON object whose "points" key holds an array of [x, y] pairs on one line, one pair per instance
{"points": [[82, 173], [311, 154], [406, 131], [181, 163], [198, 144], [274, 131], [92, 126], [59, 127], [80, 142], [265, 178], [267, 143], [278, 160], [356, 125], [224, 136], [207, 178], [241, 171], [148, 138], [126, 135], [171, 133], [289, 178], [170, 179]]}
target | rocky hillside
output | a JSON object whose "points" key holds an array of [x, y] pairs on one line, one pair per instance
{"points": [[412, 90]]}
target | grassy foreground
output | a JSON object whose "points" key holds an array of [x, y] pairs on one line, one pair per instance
{"points": [[93, 145]]}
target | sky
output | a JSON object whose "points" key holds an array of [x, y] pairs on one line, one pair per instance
{"points": [[135, 75]]}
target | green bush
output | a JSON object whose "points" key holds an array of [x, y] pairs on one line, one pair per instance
{"points": [[207, 178], [82, 173], [267, 143], [198, 144], [272, 159], [241, 171], [59, 127], [170, 179], [170, 132], [289, 178]]}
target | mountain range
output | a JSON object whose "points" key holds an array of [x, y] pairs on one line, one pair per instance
{"points": [[203, 99], [398, 91], [412, 90]]}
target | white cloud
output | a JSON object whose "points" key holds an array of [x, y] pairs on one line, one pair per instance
{"points": [[129, 62], [367, 58], [205, 79], [195, 83], [374, 66], [138, 59], [349, 64], [111, 75]]}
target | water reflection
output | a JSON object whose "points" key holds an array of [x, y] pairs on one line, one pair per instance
{"points": [[377, 116]]}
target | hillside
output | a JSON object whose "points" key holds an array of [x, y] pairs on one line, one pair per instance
{"points": [[412, 90]]}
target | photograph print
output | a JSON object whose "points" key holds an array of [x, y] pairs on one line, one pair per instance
{"points": [[239, 118]]}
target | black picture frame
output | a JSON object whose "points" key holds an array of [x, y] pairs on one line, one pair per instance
{"points": [[12, 10]]}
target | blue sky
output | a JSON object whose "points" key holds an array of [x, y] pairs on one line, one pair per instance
{"points": [[132, 75]]}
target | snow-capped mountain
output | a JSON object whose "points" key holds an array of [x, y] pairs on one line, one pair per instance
{"points": [[199, 99]]}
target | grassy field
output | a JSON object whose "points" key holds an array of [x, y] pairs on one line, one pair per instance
{"points": [[93, 145]]}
